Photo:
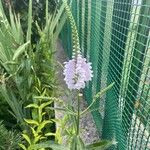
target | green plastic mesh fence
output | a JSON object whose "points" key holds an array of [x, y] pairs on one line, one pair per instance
{"points": [[115, 37]]}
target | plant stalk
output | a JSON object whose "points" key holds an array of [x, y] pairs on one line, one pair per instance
{"points": [[78, 114]]}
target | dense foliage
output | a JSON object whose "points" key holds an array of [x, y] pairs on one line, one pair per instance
{"points": [[38, 13], [8, 139], [26, 73], [28, 85]]}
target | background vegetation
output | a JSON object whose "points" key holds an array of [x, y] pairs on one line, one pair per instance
{"points": [[21, 7], [27, 45]]}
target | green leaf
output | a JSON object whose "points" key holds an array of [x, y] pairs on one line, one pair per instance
{"points": [[11, 99], [50, 134], [49, 98], [99, 94], [37, 138], [46, 12], [57, 17], [66, 110], [10, 63], [42, 125], [29, 121], [56, 120], [50, 144], [45, 104], [13, 22], [22, 146], [77, 143], [102, 145], [80, 144], [43, 113], [91, 110], [26, 137], [34, 132], [60, 26], [73, 144], [32, 106], [20, 50], [56, 108], [29, 30]]}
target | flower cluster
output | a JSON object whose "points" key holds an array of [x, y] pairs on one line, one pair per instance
{"points": [[77, 72]]}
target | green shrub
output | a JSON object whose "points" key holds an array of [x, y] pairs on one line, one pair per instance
{"points": [[8, 139]]}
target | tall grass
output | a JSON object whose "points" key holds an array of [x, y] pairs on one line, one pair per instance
{"points": [[21, 67]]}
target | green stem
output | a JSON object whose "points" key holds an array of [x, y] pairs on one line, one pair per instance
{"points": [[98, 95], [78, 114], [88, 107]]}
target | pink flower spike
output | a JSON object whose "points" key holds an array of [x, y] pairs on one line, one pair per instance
{"points": [[77, 72]]}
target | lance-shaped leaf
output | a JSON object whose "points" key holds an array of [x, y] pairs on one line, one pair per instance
{"points": [[20, 50], [32, 106], [29, 121], [102, 145], [42, 125], [26, 137], [50, 144], [22, 146]]}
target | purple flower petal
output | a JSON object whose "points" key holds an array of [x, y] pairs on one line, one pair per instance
{"points": [[77, 72]]}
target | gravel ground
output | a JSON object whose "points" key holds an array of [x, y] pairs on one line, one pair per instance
{"points": [[88, 130]]}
